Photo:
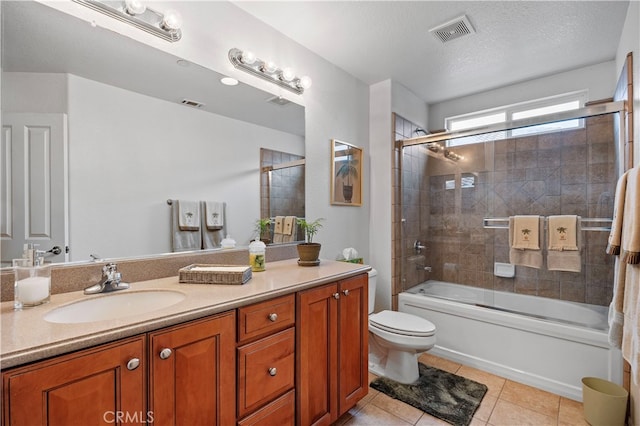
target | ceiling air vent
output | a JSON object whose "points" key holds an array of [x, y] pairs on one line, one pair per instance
{"points": [[279, 100], [451, 30], [191, 103]]}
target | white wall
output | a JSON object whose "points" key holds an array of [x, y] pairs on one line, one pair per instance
{"points": [[129, 153], [336, 105], [600, 80], [34, 92]]}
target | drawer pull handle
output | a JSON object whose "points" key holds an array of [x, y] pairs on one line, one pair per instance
{"points": [[345, 292], [336, 296], [273, 371], [133, 364], [165, 353], [273, 317]]}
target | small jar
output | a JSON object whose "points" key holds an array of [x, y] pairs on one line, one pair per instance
{"points": [[257, 251], [32, 286]]}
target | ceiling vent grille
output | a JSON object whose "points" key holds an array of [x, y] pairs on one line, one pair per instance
{"points": [[194, 104], [454, 29], [279, 100]]}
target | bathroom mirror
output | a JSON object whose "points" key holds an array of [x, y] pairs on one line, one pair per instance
{"points": [[139, 127]]}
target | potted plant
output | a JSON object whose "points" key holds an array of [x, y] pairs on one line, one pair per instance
{"points": [[309, 252], [346, 170], [263, 229]]}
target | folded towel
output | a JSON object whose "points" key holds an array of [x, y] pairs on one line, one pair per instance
{"points": [[562, 232], [214, 213], [188, 215], [525, 257], [615, 236], [278, 230], [288, 225], [561, 258], [526, 232], [630, 245]]}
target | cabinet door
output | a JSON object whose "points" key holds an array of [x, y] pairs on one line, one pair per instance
{"points": [[353, 341], [192, 373], [102, 385], [316, 369]]}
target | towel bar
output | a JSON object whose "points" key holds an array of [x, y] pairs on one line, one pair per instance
{"points": [[488, 222]]}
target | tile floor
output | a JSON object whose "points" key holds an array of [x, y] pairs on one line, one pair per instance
{"points": [[506, 403]]}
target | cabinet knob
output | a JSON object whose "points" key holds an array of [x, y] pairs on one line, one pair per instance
{"points": [[336, 296], [273, 317], [273, 371], [165, 353], [345, 292], [133, 364]]}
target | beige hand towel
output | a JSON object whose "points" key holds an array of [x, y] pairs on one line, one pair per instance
{"points": [[214, 213], [525, 257], [616, 316], [631, 327], [290, 229], [188, 215], [615, 236], [526, 232], [288, 225], [278, 229], [564, 255], [630, 246], [183, 240]]}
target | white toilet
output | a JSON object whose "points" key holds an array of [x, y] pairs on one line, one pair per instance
{"points": [[396, 339]]}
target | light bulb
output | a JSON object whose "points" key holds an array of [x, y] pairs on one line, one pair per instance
{"points": [[305, 82], [172, 20], [269, 67], [248, 57], [134, 7], [287, 74]]}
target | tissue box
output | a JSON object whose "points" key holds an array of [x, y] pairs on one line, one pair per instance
{"points": [[214, 274]]}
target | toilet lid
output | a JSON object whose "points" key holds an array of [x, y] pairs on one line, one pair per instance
{"points": [[402, 323]]}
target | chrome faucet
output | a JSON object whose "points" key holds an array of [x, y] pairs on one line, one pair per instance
{"points": [[418, 247], [111, 281]]}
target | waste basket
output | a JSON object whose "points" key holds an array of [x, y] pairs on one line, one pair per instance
{"points": [[604, 402]]}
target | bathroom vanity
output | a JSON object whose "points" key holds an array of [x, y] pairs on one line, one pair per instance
{"points": [[288, 347]]}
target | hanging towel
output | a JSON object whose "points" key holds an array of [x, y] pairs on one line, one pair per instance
{"points": [[615, 236], [183, 240], [616, 308], [214, 213], [524, 241], [290, 228], [188, 215], [564, 243], [213, 224], [631, 325], [630, 247], [278, 229]]}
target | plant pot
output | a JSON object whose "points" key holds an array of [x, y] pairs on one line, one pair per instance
{"points": [[347, 192], [309, 254]]}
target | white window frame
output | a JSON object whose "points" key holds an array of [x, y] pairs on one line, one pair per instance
{"points": [[506, 113]]}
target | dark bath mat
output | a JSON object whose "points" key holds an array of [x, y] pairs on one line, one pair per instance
{"points": [[444, 395]]}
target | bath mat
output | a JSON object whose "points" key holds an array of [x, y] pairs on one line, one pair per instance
{"points": [[444, 395]]}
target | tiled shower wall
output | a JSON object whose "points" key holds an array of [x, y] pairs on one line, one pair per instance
{"points": [[568, 172]]}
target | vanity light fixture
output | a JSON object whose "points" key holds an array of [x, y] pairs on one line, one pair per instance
{"points": [[164, 25], [452, 155], [283, 77]]}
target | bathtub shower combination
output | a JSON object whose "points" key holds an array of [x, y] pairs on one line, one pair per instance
{"points": [[545, 328], [549, 344]]}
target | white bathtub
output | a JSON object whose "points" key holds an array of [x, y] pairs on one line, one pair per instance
{"points": [[546, 343]]}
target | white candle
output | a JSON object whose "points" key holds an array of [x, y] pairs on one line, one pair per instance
{"points": [[33, 289]]}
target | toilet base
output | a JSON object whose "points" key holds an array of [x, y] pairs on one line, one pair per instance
{"points": [[398, 365]]}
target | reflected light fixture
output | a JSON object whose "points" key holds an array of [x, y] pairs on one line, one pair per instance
{"points": [[452, 155], [134, 12], [283, 77]]}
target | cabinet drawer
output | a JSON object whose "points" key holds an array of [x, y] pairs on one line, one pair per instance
{"points": [[262, 318], [280, 412], [265, 370]]}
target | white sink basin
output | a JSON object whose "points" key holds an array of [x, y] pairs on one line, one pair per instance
{"points": [[114, 306]]}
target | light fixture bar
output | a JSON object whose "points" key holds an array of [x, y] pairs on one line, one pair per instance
{"points": [[150, 20], [268, 71]]}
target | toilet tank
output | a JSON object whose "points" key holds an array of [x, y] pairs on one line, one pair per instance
{"points": [[373, 276]]}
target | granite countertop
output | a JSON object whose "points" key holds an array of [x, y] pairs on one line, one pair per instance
{"points": [[27, 336]]}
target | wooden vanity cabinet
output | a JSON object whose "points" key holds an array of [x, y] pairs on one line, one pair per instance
{"points": [[191, 376], [94, 386], [332, 339], [266, 362]]}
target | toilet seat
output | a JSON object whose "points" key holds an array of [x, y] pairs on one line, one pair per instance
{"points": [[402, 323]]}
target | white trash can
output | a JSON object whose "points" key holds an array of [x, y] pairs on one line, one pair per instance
{"points": [[604, 402]]}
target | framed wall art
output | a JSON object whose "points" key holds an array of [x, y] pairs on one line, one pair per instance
{"points": [[346, 174]]}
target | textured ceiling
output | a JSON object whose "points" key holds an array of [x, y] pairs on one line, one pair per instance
{"points": [[514, 41]]}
